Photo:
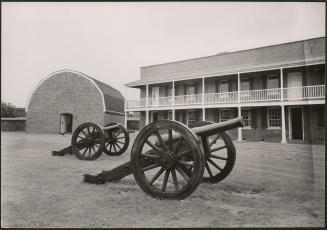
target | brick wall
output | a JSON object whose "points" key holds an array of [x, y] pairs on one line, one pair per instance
{"points": [[63, 93]]}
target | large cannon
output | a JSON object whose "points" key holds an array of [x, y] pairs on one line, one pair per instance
{"points": [[169, 160], [90, 140]]}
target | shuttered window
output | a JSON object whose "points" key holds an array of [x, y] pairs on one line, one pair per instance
{"points": [[246, 114], [225, 115], [190, 117], [273, 117]]}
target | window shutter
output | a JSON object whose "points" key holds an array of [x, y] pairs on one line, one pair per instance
{"points": [[217, 87], [176, 90], [166, 90], [252, 84], [321, 116], [264, 82], [196, 88], [253, 117], [230, 82], [185, 89], [264, 118]]}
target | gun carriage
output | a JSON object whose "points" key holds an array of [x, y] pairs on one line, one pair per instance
{"points": [[168, 159]]}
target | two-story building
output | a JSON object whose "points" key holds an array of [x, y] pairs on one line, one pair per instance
{"points": [[279, 90]]}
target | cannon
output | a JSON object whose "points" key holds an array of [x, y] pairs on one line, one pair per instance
{"points": [[169, 160], [90, 140]]}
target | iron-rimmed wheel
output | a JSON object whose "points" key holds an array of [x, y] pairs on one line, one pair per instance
{"points": [[88, 141], [160, 155], [117, 140], [220, 159]]}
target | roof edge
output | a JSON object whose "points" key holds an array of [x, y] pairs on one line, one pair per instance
{"points": [[62, 71]]}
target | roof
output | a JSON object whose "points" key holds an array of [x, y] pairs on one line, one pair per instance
{"points": [[274, 56], [112, 99]]}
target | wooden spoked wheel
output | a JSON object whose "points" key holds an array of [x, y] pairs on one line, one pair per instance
{"points": [[117, 140], [88, 141], [220, 157], [167, 161]]}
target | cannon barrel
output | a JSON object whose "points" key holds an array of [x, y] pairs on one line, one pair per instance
{"points": [[208, 130]]}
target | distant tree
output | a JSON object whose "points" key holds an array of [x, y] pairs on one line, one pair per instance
{"points": [[7, 110]]}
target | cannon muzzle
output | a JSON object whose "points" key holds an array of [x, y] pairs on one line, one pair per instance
{"points": [[208, 130]]}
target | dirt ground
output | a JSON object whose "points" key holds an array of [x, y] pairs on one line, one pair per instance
{"points": [[271, 185]]}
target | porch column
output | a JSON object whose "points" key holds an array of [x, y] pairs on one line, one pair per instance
{"points": [[146, 104], [173, 102], [281, 85], [283, 125], [125, 108], [203, 109], [238, 87], [239, 130], [203, 114]]}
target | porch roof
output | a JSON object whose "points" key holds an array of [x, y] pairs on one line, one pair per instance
{"points": [[311, 51]]}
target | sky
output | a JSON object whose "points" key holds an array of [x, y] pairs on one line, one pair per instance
{"points": [[111, 41]]}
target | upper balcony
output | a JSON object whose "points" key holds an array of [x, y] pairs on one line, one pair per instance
{"points": [[290, 95]]}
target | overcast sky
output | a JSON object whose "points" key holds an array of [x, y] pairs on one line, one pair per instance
{"points": [[111, 41]]}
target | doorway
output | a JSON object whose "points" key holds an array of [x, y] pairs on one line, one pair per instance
{"points": [[155, 96], [66, 123], [154, 116], [296, 121]]}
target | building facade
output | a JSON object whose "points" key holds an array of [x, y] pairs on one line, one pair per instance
{"points": [[65, 99], [279, 90]]}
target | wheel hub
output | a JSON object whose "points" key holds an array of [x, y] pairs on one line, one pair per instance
{"points": [[168, 160]]}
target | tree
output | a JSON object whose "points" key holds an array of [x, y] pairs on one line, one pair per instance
{"points": [[7, 110]]}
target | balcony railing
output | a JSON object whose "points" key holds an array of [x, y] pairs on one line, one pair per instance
{"points": [[262, 95], [220, 97], [188, 99]]}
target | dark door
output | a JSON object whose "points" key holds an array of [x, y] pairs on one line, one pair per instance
{"points": [[155, 116], [297, 129], [69, 123]]}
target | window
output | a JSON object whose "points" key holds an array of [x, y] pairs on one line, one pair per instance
{"points": [[224, 115], [246, 114], [206, 116], [273, 82], [170, 115], [245, 85], [190, 117], [272, 85], [273, 117], [223, 87], [191, 92]]}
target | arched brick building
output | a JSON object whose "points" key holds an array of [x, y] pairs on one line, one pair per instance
{"points": [[65, 99]]}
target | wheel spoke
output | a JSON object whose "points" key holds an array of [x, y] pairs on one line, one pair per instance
{"points": [[151, 167], [119, 148], [162, 144], [120, 138], [116, 134], [154, 147], [173, 173], [110, 147], [120, 142], [106, 144], [85, 151], [217, 149], [208, 169], [183, 174], [89, 151], [83, 132], [179, 144], [214, 164], [218, 157], [157, 175], [214, 140], [164, 184], [150, 156], [88, 129], [184, 153], [114, 148], [93, 149], [170, 140], [185, 163]]}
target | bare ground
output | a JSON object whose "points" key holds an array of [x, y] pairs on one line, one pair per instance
{"points": [[272, 185]]}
